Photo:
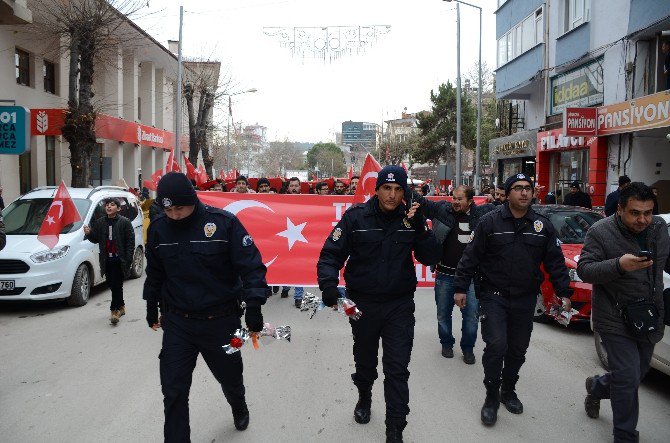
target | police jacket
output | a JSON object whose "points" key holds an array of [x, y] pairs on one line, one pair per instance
{"points": [[379, 248], [209, 262], [123, 235], [508, 257]]}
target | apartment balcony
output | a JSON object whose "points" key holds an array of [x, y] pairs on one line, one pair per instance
{"points": [[644, 13], [574, 44], [15, 12], [516, 79]]}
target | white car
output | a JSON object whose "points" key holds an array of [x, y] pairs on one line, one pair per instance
{"points": [[30, 271], [661, 357]]}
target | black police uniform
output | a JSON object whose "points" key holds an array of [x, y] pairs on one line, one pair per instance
{"points": [[381, 278], [200, 269], [507, 254]]}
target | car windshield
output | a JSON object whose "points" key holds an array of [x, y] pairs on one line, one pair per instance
{"points": [[25, 216], [571, 226]]}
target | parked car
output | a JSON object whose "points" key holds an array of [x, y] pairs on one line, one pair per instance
{"points": [[661, 357], [31, 271], [571, 224]]}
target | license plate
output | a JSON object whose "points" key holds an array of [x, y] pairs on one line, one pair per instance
{"points": [[6, 285]]}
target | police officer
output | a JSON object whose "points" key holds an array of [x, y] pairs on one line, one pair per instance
{"points": [[377, 238], [507, 249], [201, 263]]}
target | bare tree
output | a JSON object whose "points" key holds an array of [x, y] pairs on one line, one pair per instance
{"points": [[86, 28], [280, 156]]}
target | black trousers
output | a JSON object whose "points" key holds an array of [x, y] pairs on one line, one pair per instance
{"points": [[114, 274], [629, 362], [393, 322], [507, 323], [183, 340]]}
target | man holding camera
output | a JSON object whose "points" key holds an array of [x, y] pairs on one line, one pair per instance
{"points": [[624, 257]]}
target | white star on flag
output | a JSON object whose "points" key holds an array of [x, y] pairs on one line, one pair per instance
{"points": [[293, 233], [50, 220]]}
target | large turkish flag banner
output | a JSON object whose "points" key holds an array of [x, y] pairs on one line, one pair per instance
{"points": [[61, 213], [290, 230]]}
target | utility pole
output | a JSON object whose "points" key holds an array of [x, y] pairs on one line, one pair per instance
{"points": [[458, 95], [177, 147]]}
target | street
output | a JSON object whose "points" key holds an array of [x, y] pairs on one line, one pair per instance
{"points": [[66, 374]]}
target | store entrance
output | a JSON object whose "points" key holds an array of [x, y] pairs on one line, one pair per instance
{"points": [[567, 167], [511, 166]]}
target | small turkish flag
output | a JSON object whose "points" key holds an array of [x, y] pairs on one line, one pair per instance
{"points": [[172, 165], [368, 181], [61, 213], [190, 169]]}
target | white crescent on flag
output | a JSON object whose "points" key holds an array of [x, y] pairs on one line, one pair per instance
{"points": [[237, 206]]}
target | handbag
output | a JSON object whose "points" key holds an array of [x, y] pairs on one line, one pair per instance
{"points": [[641, 317]]}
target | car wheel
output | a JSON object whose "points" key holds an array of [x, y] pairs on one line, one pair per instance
{"points": [[137, 268], [81, 287], [600, 350]]}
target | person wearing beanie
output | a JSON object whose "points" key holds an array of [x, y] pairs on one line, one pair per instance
{"points": [[505, 254], [203, 269], [577, 197], [116, 240], [376, 240]]}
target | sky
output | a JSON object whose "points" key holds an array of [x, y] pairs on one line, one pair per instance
{"points": [[307, 99]]}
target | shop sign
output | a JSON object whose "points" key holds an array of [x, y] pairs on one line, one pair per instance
{"points": [[579, 121], [14, 130], [512, 148], [580, 87], [555, 139], [651, 111], [521, 144]]}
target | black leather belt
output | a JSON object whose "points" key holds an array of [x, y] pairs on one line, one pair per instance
{"points": [[214, 312]]}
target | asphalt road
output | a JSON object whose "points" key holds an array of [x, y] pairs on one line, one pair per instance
{"points": [[66, 374]]}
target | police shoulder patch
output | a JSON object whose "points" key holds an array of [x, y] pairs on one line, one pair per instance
{"points": [[538, 226], [210, 229], [337, 233], [247, 240]]}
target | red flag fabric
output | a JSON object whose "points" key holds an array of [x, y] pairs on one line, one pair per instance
{"points": [[190, 169], [61, 213], [351, 171], [403, 166], [149, 184], [201, 175], [366, 185], [172, 165], [290, 230]]}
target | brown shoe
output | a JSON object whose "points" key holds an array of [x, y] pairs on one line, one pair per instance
{"points": [[114, 318], [122, 311]]}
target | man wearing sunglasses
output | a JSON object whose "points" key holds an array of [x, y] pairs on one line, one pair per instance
{"points": [[506, 251]]}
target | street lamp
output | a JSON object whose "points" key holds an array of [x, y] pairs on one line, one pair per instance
{"points": [[479, 95], [230, 111]]}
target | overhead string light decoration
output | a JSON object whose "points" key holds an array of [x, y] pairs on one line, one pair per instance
{"points": [[327, 43]]}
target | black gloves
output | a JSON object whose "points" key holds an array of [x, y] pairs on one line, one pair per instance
{"points": [[152, 313], [330, 296], [254, 318], [418, 222]]}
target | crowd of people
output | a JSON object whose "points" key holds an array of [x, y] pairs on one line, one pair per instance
{"points": [[488, 262]]}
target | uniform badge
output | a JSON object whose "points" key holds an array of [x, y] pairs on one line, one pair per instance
{"points": [[405, 221], [167, 202], [210, 229], [520, 176], [247, 241], [538, 225], [337, 233]]}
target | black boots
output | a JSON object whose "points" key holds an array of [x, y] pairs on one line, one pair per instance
{"points": [[591, 402], [508, 396], [241, 418], [491, 405], [394, 428], [362, 411]]}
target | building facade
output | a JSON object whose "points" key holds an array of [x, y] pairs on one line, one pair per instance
{"points": [[556, 54], [362, 138], [135, 96]]}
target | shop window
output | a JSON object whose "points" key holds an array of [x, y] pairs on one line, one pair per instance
{"points": [[25, 174], [22, 62], [51, 159], [49, 72]]}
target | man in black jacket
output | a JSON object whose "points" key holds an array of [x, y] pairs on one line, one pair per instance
{"points": [[453, 224], [507, 249], [612, 200], [116, 241], [376, 240], [201, 264], [577, 197]]}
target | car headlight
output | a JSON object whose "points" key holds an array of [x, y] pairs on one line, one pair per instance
{"points": [[573, 275], [50, 254]]}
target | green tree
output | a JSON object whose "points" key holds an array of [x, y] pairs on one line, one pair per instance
{"points": [[438, 127], [328, 157]]}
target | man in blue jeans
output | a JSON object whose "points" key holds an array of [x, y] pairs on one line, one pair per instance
{"points": [[453, 224]]}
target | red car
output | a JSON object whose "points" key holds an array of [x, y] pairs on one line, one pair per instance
{"points": [[571, 224]]}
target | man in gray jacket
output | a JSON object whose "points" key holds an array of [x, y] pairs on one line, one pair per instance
{"points": [[613, 259]]}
